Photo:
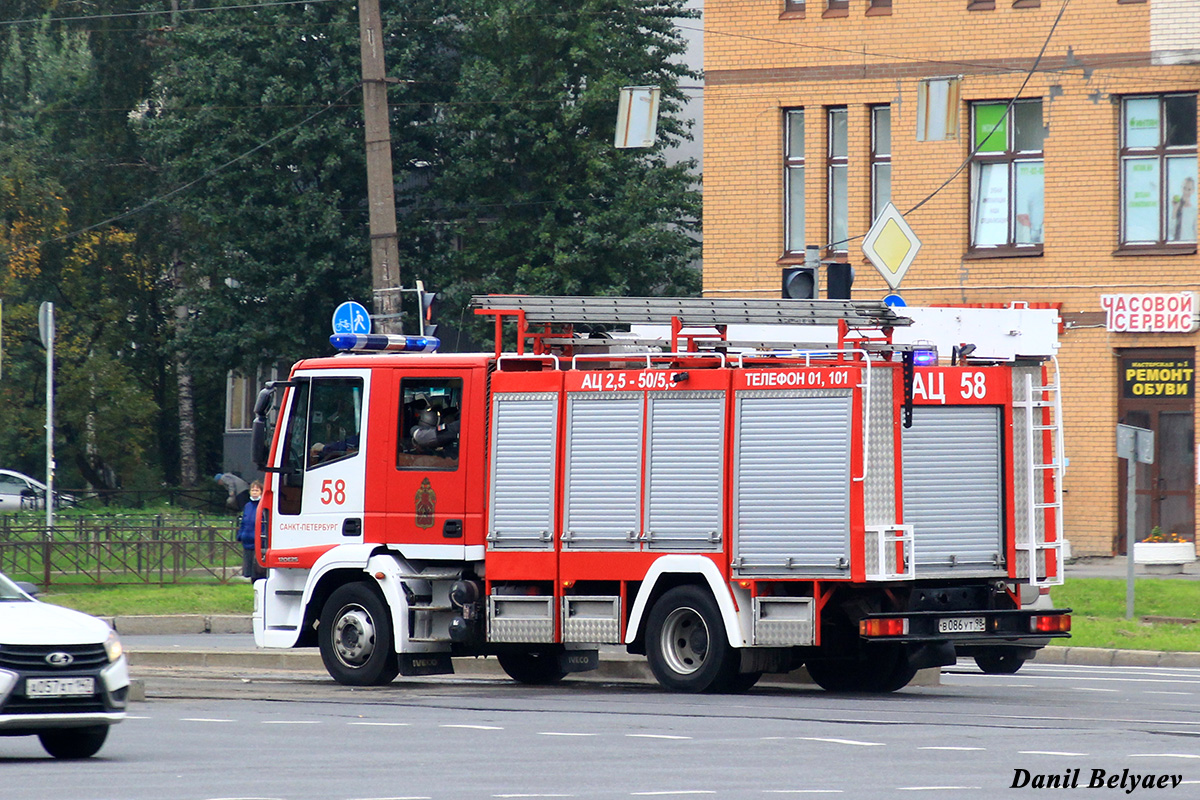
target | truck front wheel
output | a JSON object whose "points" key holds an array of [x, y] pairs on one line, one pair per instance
{"points": [[686, 643], [355, 636]]}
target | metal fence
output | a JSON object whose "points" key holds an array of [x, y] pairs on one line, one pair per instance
{"points": [[154, 550]]}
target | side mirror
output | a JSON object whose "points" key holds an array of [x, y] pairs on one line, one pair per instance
{"points": [[258, 442]]}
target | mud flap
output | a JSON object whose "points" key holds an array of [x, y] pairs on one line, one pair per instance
{"points": [[579, 660], [931, 654], [425, 664]]}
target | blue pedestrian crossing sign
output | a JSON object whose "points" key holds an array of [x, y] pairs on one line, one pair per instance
{"points": [[351, 317]]}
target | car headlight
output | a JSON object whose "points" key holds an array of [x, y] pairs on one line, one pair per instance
{"points": [[112, 645]]}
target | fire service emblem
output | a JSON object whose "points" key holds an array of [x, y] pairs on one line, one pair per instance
{"points": [[426, 505]]}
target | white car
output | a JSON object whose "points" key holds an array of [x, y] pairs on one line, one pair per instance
{"points": [[63, 676], [18, 491]]}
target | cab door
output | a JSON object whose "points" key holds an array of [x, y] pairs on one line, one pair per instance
{"points": [[427, 488], [319, 499]]}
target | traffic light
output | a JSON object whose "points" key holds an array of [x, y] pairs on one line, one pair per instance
{"points": [[427, 302], [800, 283], [838, 280]]}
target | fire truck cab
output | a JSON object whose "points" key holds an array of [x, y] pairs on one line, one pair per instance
{"points": [[728, 508]]}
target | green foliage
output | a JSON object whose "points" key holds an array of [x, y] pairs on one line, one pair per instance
{"points": [[97, 281], [190, 191], [531, 193]]}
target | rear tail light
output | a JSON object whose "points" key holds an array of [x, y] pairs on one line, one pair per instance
{"points": [[1054, 623], [896, 626]]}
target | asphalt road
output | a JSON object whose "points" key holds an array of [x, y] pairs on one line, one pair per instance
{"points": [[302, 737]]}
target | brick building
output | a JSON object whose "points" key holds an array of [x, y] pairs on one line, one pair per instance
{"points": [[1064, 175]]}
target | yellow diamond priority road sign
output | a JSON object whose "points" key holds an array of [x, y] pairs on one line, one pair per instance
{"points": [[891, 245]]}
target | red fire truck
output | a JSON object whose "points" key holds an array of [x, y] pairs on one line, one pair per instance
{"points": [[632, 473]]}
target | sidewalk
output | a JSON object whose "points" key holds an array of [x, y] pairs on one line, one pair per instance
{"points": [[224, 642]]}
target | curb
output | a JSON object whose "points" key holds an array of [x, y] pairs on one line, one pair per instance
{"points": [[1105, 657], [179, 624]]}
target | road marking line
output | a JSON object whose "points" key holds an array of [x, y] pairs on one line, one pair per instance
{"points": [[1047, 753], [408, 797], [204, 719], [474, 727], [950, 748], [1163, 755], [1019, 686], [1093, 689], [383, 724], [935, 788], [839, 741], [802, 791], [654, 736], [291, 722], [563, 733], [533, 795], [1177, 694], [673, 792]]}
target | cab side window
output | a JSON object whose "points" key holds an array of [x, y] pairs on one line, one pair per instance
{"points": [[428, 425], [334, 420], [323, 427]]}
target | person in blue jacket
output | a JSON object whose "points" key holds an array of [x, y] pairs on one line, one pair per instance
{"points": [[245, 535]]}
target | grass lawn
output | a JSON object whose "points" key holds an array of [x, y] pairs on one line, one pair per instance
{"points": [[1098, 608], [1098, 616], [193, 598]]}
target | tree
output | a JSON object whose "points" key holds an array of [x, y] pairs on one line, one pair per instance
{"points": [[95, 278], [529, 186]]}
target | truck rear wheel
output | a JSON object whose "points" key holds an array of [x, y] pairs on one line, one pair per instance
{"points": [[686, 643], [533, 667], [881, 669], [355, 636]]}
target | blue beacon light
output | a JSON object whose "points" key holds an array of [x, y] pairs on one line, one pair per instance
{"points": [[925, 357], [383, 342]]}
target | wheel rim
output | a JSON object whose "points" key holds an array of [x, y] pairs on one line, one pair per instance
{"points": [[684, 642], [354, 636]]}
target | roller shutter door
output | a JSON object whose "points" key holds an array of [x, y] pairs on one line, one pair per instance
{"points": [[792, 483], [953, 488]]}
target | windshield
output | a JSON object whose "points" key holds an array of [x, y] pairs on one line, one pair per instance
{"points": [[9, 591]]}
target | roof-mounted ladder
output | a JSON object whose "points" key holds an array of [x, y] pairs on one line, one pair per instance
{"points": [[547, 313]]}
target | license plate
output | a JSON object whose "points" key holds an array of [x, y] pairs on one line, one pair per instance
{"points": [[961, 625], [59, 687]]}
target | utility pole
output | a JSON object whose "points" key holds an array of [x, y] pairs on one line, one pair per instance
{"points": [[385, 255]]}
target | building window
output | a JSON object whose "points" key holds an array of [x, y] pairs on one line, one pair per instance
{"points": [[1007, 178], [881, 159], [836, 8], [241, 392], [793, 7], [793, 180], [838, 196], [879, 7], [1158, 170]]}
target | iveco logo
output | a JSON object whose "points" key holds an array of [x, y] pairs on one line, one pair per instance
{"points": [[60, 659]]}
